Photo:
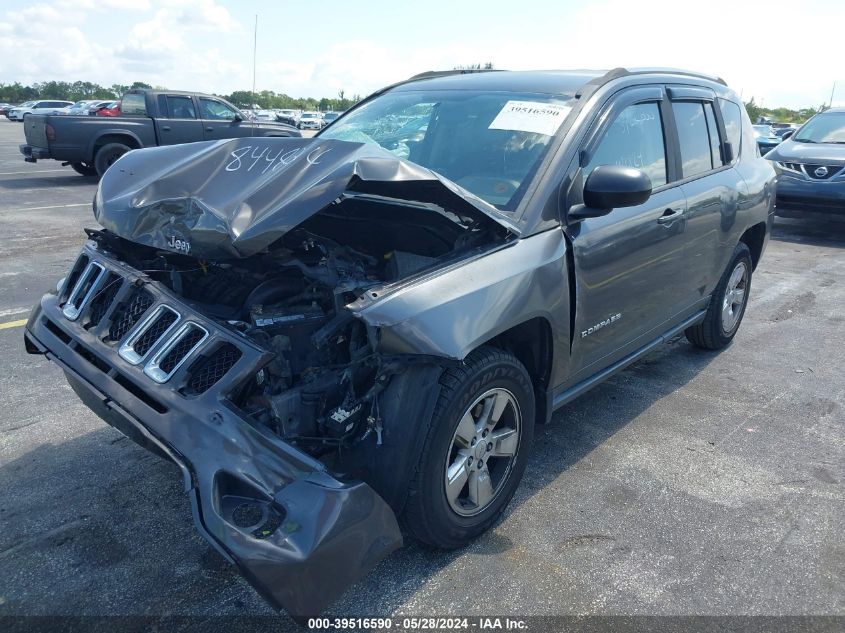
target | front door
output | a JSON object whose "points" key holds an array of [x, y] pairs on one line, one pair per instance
{"points": [[629, 263], [221, 121]]}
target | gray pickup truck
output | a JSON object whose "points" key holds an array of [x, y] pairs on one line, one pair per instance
{"points": [[331, 336], [148, 118]]}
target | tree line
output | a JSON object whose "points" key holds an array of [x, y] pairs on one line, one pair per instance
{"points": [[78, 90], [778, 115], [268, 99]]}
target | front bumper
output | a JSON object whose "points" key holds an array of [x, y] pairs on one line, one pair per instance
{"points": [[797, 196], [299, 535], [31, 154]]}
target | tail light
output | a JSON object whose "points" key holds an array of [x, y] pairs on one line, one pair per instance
{"points": [[51, 132]]}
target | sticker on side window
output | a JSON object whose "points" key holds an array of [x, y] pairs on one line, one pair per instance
{"points": [[530, 116]]}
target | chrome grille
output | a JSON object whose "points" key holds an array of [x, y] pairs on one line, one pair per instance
{"points": [[156, 338], [831, 171], [84, 289], [175, 352], [147, 334]]}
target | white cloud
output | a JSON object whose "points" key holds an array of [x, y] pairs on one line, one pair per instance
{"points": [[201, 45]]}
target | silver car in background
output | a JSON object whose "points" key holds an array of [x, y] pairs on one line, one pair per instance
{"points": [[37, 107]]}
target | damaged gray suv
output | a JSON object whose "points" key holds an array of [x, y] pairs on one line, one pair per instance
{"points": [[336, 336]]}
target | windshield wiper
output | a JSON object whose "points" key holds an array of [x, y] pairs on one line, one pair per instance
{"points": [[804, 140]]}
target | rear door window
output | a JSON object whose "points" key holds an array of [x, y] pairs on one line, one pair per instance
{"points": [[693, 137], [181, 107], [634, 139]]}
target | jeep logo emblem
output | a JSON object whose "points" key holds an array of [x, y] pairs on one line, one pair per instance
{"points": [[183, 246], [821, 172]]}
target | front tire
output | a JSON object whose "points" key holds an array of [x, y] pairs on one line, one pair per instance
{"points": [[727, 306], [475, 452], [107, 155]]}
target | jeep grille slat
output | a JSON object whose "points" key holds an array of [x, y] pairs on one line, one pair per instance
{"points": [[85, 288], [147, 334], [178, 348]]}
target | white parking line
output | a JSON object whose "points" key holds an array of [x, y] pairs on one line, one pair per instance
{"points": [[58, 206], [36, 171]]}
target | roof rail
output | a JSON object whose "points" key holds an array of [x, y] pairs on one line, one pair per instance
{"points": [[431, 74], [673, 71]]}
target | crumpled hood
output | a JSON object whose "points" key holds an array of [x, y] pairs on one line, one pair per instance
{"points": [[812, 153], [233, 198]]}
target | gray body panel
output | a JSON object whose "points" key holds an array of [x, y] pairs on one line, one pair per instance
{"points": [[656, 276]]}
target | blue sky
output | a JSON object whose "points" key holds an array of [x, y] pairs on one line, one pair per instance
{"points": [[763, 49]]}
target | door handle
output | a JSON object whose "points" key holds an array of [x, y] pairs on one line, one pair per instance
{"points": [[209, 129], [670, 215], [165, 128]]}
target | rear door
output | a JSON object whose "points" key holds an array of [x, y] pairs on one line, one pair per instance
{"points": [[629, 263], [709, 183], [178, 121], [219, 120]]}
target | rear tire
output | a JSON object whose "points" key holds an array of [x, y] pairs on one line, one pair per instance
{"points": [[84, 169], [107, 155], [475, 451], [727, 306]]}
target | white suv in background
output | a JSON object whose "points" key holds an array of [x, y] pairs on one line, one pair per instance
{"points": [[37, 107]]}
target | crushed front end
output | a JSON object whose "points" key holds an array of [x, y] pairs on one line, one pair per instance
{"points": [[178, 383], [218, 320]]}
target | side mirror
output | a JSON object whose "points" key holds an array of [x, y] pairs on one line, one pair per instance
{"points": [[611, 187], [237, 118], [786, 135]]}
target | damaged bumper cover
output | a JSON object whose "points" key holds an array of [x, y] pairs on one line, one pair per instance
{"points": [[299, 535]]}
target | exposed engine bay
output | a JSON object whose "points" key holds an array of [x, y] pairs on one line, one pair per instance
{"points": [[321, 390]]}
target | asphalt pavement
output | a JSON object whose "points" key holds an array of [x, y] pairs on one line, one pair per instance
{"points": [[691, 483]]}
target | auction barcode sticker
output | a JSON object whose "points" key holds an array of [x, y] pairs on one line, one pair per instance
{"points": [[530, 116]]}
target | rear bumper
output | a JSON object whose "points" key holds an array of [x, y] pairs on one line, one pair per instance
{"points": [[32, 154], [299, 535]]}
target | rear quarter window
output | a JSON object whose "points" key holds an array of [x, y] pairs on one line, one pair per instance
{"points": [[732, 118], [133, 105]]}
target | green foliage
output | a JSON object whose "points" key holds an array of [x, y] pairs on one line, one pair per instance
{"points": [[77, 90], [267, 100], [780, 115], [485, 66]]}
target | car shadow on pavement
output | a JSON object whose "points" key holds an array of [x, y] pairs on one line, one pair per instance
{"points": [[810, 231], [95, 525], [36, 182]]}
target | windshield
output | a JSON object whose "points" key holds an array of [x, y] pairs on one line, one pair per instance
{"points": [[490, 143], [823, 128], [308, 115], [762, 130]]}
